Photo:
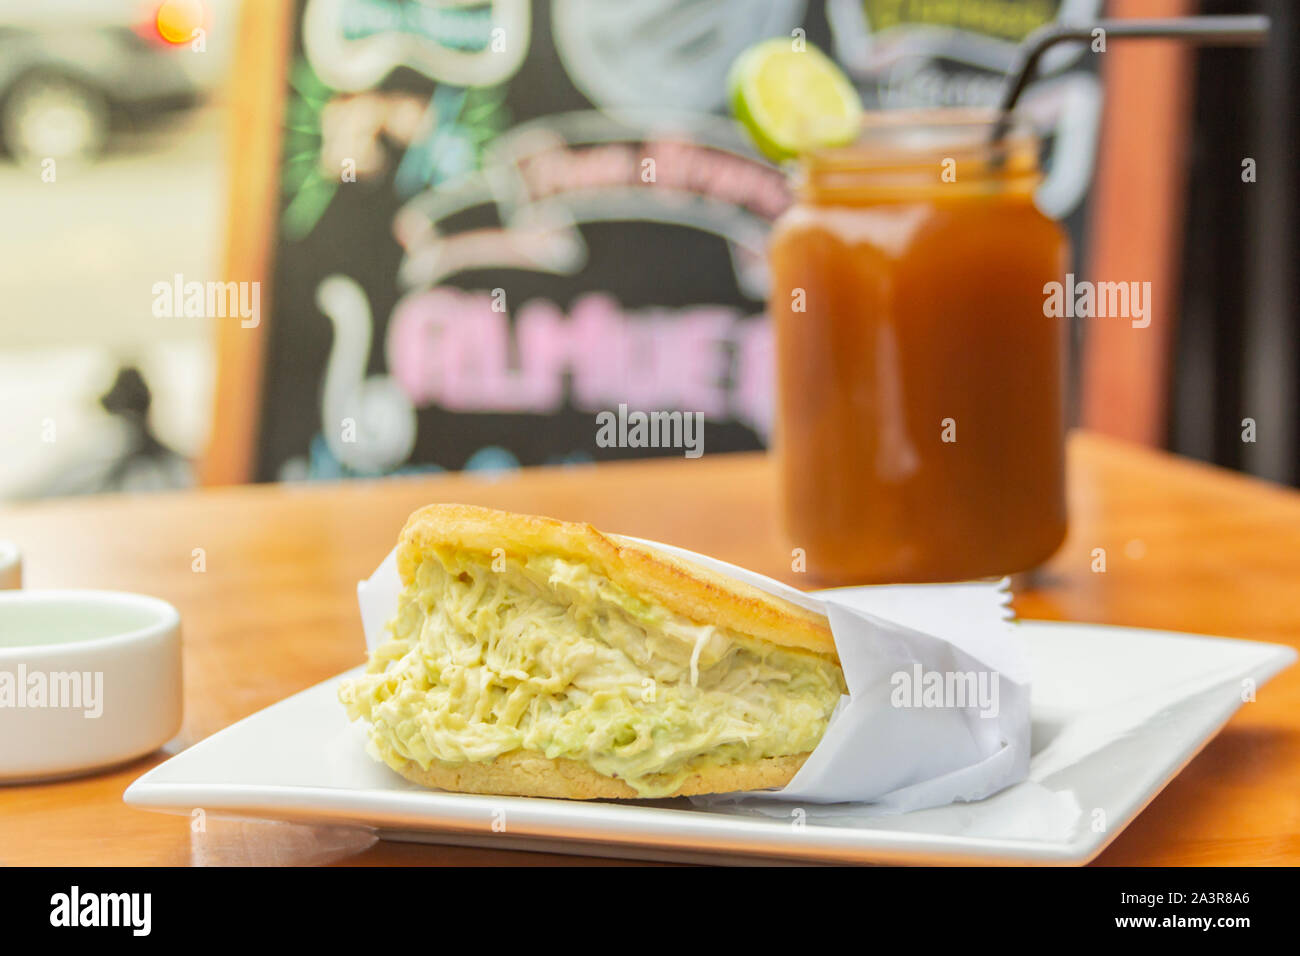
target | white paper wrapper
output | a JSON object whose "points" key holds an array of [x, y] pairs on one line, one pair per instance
{"points": [[886, 744]]}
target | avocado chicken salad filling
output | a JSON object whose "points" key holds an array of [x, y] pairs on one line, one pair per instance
{"points": [[551, 656]]}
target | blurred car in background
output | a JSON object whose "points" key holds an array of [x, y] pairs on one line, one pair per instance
{"points": [[72, 73]]}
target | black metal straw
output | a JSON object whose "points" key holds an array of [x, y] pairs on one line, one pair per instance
{"points": [[1206, 31]]}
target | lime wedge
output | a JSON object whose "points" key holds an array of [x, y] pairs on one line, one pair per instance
{"points": [[792, 100]]}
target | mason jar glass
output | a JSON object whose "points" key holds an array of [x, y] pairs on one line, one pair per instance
{"points": [[920, 414]]}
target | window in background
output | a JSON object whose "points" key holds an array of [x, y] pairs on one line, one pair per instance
{"points": [[112, 180]]}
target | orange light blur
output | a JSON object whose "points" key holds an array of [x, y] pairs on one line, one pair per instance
{"points": [[178, 19]]}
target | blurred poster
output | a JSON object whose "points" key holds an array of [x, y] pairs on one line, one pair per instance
{"points": [[500, 219]]}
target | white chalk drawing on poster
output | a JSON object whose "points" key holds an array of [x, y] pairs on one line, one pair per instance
{"points": [[452, 348], [548, 174], [542, 179], [943, 62], [368, 422], [650, 54], [354, 44], [466, 48]]}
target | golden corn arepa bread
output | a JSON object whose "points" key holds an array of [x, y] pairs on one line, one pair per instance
{"points": [[679, 587], [689, 589], [523, 773]]}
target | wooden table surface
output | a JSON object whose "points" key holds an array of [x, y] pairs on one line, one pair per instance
{"points": [[1188, 548]]}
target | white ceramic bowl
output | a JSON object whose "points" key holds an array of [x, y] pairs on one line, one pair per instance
{"points": [[88, 679], [11, 566]]}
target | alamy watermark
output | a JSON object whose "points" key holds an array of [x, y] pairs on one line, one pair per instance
{"points": [[57, 690], [1098, 300], [133, 911], [945, 689], [179, 299], [651, 430]]}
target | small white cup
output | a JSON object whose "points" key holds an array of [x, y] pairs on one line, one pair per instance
{"points": [[88, 679], [11, 566]]}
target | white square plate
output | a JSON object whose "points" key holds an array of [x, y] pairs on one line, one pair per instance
{"points": [[1117, 712]]}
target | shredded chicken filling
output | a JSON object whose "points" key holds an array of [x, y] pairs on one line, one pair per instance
{"points": [[550, 656]]}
